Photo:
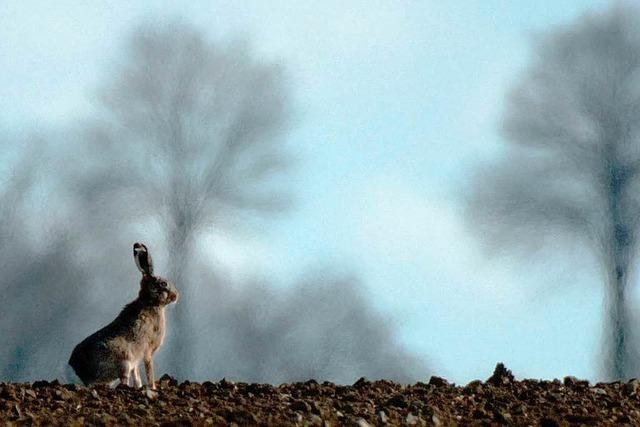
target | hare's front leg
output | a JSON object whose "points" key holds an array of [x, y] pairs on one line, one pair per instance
{"points": [[148, 367], [124, 375], [137, 382]]}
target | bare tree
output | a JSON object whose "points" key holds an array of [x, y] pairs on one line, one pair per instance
{"points": [[192, 134], [573, 164], [199, 130], [69, 279]]}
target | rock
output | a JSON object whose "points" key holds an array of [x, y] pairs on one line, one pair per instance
{"points": [[243, 417], [123, 387], [438, 381], [315, 420], [7, 392], [503, 417], [520, 409], [63, 394], [168, 380], [412, 420], [571, 381], [40, 384], [316, 408], [632, 387], [474, 386], [624, 419], [362, 382], [480, 413], [382, 417], [549, 422], [362, 423], [501, 375], [398, 401], [226, 383], [150, 394], [581, 419], [74, 387], [300, 405]]}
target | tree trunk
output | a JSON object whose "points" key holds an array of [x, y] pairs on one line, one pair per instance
{"points": [[181, 352], [619, 358], [617, 361]]}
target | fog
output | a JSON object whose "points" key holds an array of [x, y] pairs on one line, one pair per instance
{"points": [[337, 191], [185, 145], [573, 164]]}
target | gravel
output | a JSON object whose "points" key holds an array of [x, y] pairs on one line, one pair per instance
{"points": [[501, 400]]}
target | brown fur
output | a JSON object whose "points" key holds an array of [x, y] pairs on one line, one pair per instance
{"points": [[115, 351]]}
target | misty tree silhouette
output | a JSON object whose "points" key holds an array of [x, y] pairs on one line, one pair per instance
{"points": [[573, 123], [189, 138], [205, 126]]}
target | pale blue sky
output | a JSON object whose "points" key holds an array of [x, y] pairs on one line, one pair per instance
{"points": [[399, 100]]}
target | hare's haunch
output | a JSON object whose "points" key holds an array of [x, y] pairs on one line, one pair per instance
{"points": [[115, 351]]}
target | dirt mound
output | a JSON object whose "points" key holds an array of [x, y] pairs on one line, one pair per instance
{"points": [[499, 400]]}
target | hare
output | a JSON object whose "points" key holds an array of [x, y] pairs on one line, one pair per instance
{"points": [[115, 351]]}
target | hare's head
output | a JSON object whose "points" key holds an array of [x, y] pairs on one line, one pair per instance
{"points": [[154, 290]]}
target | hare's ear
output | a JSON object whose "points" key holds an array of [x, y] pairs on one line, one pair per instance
{"points": [[143, 259]]}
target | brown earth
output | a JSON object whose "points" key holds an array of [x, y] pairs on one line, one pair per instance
{"points": [[499, 400]]}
